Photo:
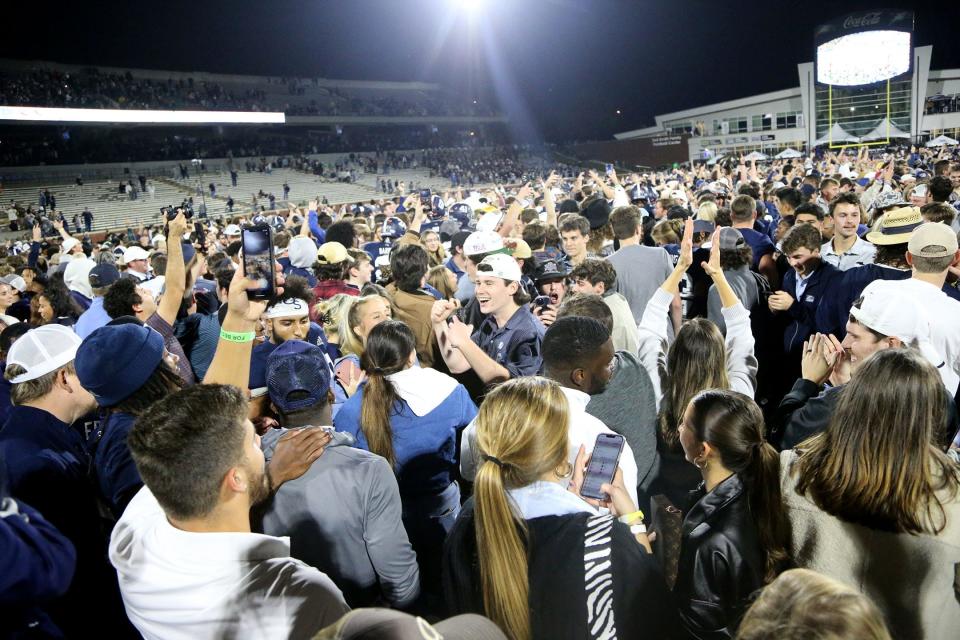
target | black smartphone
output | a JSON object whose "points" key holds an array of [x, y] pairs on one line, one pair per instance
{"points": [[602, 466], [258, 260], [425, 197], [542, 301]]}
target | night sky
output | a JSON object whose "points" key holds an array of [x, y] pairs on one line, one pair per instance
{"points": [[564, 66]]}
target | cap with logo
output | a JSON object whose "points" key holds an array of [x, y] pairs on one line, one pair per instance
{"points": [[551, 270], [933, 240], [501, 266], [519, 249], [480, 242], [43, 350]]}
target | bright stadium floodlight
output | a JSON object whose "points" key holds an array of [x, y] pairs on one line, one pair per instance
{"points": [[863, 58], [139, 116]]}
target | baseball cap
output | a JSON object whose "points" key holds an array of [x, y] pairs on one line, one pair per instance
{"points": [[519, 249], [103, 275], [332, 253], [68, 244], [459, 238], [134, 253], [551, 270], [730, 239], [887, 309], [502, 266], [15, 281], [933, 240], [888, 199], [388, 624], [43, 350], [896, 226], [297, 376], [232, 230], [113, 362], [480, 242], [489, 220]]}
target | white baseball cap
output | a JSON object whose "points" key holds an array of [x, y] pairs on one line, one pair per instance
{"points": [[69, 244], [887, 309], [480, 242], [489, 221], [43, 350], [134, 253], [502, 266], [232, 230]]}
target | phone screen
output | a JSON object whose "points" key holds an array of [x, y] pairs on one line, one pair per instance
{"points": [[602, 466], [609, 168], [258, 260], [425, 196]]}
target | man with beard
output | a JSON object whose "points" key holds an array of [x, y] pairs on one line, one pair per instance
{"points": [[188, 564]]}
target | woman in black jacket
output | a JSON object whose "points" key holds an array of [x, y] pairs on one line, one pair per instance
{"points": [[531, 554], [734, 538]]}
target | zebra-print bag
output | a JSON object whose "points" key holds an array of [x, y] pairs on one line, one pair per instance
{"points": [[598, 578]]}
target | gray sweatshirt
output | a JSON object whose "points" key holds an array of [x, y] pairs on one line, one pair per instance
{"points": [[343, 516]]}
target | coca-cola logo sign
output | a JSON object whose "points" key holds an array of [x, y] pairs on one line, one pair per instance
{"points": [[862, 20]]}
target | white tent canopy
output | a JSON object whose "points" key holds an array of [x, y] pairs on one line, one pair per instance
{"points": [[884, 130], [789, 153], [836, 134], [755, 155], [942, 141], [715, 160]]}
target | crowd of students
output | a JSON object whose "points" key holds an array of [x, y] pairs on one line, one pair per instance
{"points": [[403, 428]]}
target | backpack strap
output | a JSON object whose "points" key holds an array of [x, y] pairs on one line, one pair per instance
{"points": [[598, 578]]}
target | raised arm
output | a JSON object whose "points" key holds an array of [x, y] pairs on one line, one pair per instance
{"points": [[175, 280]]}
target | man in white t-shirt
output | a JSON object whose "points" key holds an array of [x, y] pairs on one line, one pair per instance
{"points": [[187, 563]]}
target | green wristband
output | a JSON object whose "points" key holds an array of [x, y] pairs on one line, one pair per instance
{"points": [[232, 336]]}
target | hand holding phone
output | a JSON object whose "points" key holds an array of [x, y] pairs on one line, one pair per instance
{"points": [[258, 260], [603, 465]]}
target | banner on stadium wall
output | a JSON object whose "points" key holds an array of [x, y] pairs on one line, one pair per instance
{"points": [[635, 152], [663, 141]]}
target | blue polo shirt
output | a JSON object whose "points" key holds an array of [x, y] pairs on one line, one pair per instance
{"points": [[91, 319], [115, 470], [516, 345]]}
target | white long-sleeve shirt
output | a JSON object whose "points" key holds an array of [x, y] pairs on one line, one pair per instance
{"points": [[741, 362]]}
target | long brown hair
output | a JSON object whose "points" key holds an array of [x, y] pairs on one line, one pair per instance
{"points": [[388, 350], [697, 360], [733, 425], [523, 425], [876, 464]]}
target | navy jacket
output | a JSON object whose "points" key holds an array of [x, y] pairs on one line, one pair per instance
{"points": [[36, 565], [835, 305], [47, 465], [803, 312]]}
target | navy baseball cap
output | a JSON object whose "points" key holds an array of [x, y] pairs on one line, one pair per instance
{"points": [[103, 275], [297, 376]]}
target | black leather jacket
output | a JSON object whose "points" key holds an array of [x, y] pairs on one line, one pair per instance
{"points": [[721, 562]]}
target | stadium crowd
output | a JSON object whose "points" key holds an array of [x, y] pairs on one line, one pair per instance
{"points": [[404, 424]]}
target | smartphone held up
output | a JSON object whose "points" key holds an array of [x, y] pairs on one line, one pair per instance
{"points": [[258, 260]]}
